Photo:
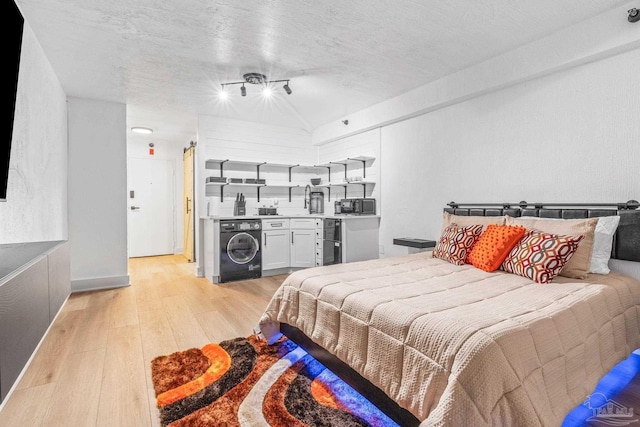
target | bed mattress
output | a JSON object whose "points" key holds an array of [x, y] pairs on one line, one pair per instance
{"points": [[455, 345]]}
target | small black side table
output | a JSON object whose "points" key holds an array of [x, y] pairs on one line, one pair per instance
{"points": [[415, 245]]}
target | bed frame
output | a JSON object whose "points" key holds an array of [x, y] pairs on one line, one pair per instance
{"points": [[626, 243], [626, 246]]}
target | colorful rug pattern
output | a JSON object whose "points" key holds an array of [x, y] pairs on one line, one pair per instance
{"points": [[245, 382]]}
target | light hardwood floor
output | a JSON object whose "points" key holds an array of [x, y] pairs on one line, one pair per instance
{"points": [[93, 367]]}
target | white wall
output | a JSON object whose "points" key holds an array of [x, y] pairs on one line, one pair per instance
{"points": [[364, 144], [97, 194], [36, 206], [221, 138], [591, 40], [554, 120], [569, 137], [171, 151]]}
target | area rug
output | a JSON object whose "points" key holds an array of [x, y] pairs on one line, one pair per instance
{"points": [[245, 382]]}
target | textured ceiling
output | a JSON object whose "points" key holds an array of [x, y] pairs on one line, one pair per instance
{"points": [[341, 56]]}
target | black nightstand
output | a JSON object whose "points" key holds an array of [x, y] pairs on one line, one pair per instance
{"points": [[415, 245]]}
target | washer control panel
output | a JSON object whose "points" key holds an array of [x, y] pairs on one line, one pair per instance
{"points": [[235, 225]]}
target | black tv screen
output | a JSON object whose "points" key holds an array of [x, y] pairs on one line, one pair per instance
{"points": [[14, 26]]}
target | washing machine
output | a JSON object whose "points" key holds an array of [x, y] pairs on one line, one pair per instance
{"points": [[240, 256]]}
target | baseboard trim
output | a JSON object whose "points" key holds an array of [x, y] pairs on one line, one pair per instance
{"points": [[99, 283], [277, 271]]}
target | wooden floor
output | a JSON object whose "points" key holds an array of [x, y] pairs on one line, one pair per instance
{"points": [[92, 369]]}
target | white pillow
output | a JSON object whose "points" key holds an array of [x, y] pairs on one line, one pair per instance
{"points": [[603, 243]]}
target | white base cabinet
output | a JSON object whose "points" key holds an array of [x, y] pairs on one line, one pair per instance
{"points": [[303, 242], [291, 243], [319, 235], [303, 248], [360, 239], [275, 244]]}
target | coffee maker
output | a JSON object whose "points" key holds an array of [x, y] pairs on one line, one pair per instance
{"points": [[316, 202]]}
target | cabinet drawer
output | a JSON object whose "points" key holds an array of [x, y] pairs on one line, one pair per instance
{"points": [[319, 224], [319, 234], [275, 224], [303, 223]]}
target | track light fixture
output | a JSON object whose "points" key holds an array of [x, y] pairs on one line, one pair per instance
{"points": [[257, 79]]}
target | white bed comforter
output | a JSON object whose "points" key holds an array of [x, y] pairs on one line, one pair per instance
{"points": [[457, 346]]}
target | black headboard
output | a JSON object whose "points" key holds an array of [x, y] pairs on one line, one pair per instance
{"points": [[626, 243]]}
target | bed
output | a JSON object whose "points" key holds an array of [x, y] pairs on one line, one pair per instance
{"points": [[455, 345]]}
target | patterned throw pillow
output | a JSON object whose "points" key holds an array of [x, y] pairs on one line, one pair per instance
{"points": [[540, 256], [578, 265], [455, 243], [494, 245]]}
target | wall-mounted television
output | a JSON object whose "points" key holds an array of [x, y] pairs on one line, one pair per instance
{"points": [[13, 47]]}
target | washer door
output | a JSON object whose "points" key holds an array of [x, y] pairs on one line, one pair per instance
{"points": [[242, 248]]}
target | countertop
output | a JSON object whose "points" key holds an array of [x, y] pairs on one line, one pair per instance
{"points": [[16, 255], [347, 217]]}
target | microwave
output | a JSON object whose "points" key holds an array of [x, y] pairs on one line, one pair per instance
{"points": [[365, 206], [344, 207]]}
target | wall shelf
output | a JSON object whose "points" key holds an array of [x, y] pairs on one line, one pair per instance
{"points": [[221, 163], [345, 185], [223, 184], [346, 162], [217, 163]]}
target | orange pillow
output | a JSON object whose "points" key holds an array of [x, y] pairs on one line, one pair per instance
{"points": [[494, 245]]}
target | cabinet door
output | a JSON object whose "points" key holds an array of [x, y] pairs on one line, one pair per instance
{"points": [[24, 319], [275, 249], [303, 248], [303, 223]]}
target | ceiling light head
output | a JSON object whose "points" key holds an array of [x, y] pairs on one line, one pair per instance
{"points": [[267, 92], [255, 78], [223, 93], [287, 88], [142, 130], [243, 90]]}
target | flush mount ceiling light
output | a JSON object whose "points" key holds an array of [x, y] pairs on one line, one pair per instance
{"points": [[258, 79], [142, 130]]}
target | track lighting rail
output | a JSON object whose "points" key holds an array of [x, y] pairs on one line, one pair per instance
{"points": [[258, 79]]}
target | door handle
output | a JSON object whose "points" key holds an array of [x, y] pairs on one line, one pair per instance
{"points": [[292, 237], [188, 200], [265, 240], [135, 208]]}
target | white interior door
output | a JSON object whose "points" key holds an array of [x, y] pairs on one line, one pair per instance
{"points": [[151, 207]]}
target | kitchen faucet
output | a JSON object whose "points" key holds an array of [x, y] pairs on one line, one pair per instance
{"points": [[308, 187]]}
